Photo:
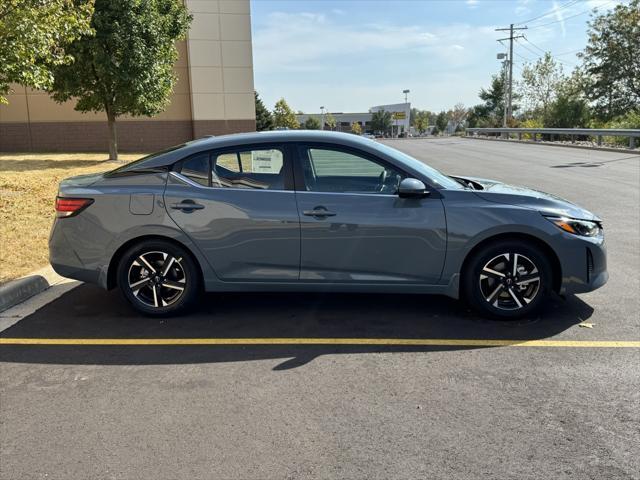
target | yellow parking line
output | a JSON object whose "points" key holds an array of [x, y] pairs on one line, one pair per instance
{"points": [[420, 342]]}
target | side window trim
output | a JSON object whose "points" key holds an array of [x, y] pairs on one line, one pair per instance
{"points": [[287, 149]]}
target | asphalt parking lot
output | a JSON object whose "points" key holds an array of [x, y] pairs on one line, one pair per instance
{"points": [[569, 409]]}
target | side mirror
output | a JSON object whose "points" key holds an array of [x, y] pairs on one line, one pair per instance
{"points": [[412, 188]]}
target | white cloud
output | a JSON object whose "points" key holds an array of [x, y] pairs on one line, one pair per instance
{"points": [[472, 3], [352, 66], [559, 17], [302, 41]]}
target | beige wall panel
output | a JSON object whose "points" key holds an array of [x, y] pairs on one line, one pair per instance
{"points": [[206, 80], [239, 106], [234, 6], [205, 26], [238, 80], [178, 109], [204, 53], [236, 54], [43, 109], [235, 27], [206, 6], [208, 106], [182, 60], [182, 85], [16, 110]]}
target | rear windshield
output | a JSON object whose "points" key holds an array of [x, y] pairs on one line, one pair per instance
{"points": [[139, 164]]}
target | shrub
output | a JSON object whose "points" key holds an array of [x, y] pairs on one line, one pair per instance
{"points": [[531, 123], [629, 120]]}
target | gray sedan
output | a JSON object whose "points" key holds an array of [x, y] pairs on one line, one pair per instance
{"points": [[318, 211]]}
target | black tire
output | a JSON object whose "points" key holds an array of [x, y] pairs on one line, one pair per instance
{"points": [[161, 291], [491, 288]]}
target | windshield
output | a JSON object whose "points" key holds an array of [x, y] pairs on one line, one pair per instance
{"points": [[433, 174]]}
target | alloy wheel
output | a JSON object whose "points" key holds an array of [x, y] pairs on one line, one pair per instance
{"points": [[157, 279], [510, 281]]}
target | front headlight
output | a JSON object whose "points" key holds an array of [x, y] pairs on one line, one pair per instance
{"points": [[584, 228]]}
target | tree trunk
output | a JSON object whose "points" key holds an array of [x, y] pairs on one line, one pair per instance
{"points": [[113, 136]]}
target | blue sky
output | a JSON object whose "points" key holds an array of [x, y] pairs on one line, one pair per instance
{"points": [[349, 55]]}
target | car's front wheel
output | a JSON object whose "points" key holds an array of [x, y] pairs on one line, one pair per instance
{"points": [[507, 279], [158, 278]]}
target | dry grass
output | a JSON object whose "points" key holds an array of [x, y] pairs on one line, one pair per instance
{"points": [[28, 187]]}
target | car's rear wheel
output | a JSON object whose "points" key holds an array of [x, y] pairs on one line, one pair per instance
{"points": [[507, 279], [158, 278]]}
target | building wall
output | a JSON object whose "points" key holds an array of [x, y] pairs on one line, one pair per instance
{"points": [[213, 95]]}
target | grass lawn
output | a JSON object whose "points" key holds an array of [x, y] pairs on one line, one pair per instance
{"points": [[28, 188]]}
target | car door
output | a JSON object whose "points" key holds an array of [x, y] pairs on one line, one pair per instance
{"points": [[354, 226], [238, 206]]}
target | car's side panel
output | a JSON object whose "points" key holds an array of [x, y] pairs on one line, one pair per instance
{"points": [[83, 246], [246, 235], [472, 219], [372, 238]]}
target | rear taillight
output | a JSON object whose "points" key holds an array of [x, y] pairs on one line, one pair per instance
{"points": [[67, 207]]}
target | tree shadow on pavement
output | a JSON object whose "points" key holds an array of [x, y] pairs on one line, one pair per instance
{"points": [[89, 312]]}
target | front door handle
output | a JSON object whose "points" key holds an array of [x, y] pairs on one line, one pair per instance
{"points": [[319, 212], [187, 206]]}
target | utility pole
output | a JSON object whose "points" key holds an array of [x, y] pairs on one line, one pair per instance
{"points": [[511, 38], [322, 118]]}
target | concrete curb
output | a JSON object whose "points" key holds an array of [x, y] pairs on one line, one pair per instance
{"points": [[551, 144], [21, 289]]}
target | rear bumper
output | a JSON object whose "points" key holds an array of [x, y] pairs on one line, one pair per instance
{"points": [[65, 260]]}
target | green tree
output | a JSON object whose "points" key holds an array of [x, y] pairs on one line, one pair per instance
{"points": [[312, 123], [356, 128], [283, 116], [264, 119], [381, 121], [442, 121], [34, 35], [330, 121], [567, 112], [127, 66], [541, 82], [421, 122], [611, 61], [491, 112]]}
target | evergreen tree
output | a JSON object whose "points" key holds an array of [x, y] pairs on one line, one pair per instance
{"points": [[264, 119]]}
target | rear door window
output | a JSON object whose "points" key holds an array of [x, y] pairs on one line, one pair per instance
{"points": [[261, 169]]}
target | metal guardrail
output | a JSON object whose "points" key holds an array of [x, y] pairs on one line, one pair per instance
{"points": [[632, 133]]}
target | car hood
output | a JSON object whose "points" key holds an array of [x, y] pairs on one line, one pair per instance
{"points": [[546, 203]]}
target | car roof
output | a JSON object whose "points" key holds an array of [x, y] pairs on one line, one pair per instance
{"points": [[178, 152]]}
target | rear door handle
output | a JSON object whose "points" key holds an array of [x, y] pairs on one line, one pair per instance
{"points": [[318, 212], [187, 206]]}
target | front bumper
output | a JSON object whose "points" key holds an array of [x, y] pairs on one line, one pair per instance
{"points": [[584, 264]]}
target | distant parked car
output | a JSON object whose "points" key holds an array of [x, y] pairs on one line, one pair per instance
{"points": [[368, 135], [318, 211]]}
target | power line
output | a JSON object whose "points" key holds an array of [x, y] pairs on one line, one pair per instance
{"points": [[550, 12], [544, 52], [523, 57], [571, 16]]}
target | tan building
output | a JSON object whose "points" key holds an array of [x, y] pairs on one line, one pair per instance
{"points": [[214, 95]]}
